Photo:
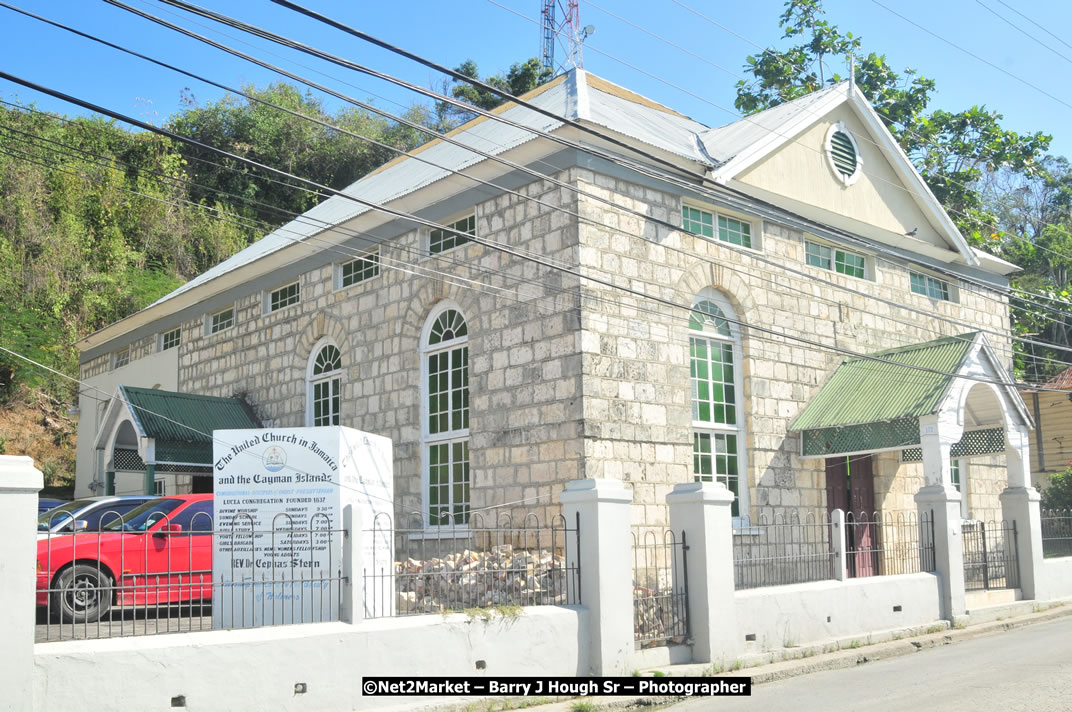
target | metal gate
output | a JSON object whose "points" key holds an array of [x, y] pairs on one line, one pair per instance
{"points": [[660, 588], [991, 560]]}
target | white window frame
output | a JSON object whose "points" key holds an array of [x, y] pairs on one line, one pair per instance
{"points": [[209, 331], [469, 214], [372, 256], [118, 355], [162, 345], [449, 437], [754, 226], [269, 294], [951, 287], [834, 249], [828, 144], [740, 429], [959, 465], [311, 381]]}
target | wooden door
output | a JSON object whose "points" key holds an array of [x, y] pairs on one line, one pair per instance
{"points": [[850, 487]]}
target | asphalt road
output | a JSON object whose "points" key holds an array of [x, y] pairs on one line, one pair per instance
{"points": [[1025, 669]]}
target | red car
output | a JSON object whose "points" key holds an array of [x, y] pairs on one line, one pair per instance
{"points": [[160, 553]]}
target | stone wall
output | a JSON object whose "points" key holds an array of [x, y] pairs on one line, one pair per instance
{"points": [[572, 379], [635, 351]]}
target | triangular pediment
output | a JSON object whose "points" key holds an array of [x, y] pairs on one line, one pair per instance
{"points": [[784, 156]]}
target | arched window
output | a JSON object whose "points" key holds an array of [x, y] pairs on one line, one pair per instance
{"points": [[325, 385], [445, 417], [717, 418]]}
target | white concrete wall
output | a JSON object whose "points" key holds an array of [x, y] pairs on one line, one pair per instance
{"points": [[146, 369], [257, 669], [787, 616], [20, 482], [1055, 580]]}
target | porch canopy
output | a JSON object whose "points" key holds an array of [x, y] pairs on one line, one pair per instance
{"points": [[151, 431], [950, 396]]}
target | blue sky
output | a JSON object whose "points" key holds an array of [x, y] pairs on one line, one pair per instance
{"points": [[494, 37]]}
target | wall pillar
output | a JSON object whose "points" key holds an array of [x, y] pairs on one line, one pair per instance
{"points": [[702, 510], [109, 483], [352, 600], [938, 498], [150, 478], [840, 536], [606, 568], [1020, 504], [20, 482]]}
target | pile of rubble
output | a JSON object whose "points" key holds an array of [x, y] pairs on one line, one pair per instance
{"points": [[481, 579], [659, 616]]}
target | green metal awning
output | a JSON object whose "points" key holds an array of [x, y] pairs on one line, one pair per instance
{"points": [[181, 424], [869, 405]]}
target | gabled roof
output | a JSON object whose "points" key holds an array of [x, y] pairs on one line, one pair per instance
{"points": [[169, 415], [744, 143], [575, 96], [863, 390], [868, 405]]}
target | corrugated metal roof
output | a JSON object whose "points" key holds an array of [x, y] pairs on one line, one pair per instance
{"points": [[637, 118], [1062, 380], [866, 391], [727, 141], [168, 416]]}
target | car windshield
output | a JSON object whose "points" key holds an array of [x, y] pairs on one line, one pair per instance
{"points": [[143, 517], [62, 513]]}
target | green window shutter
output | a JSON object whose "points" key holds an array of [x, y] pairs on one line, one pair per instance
{"points": [[843, 153]]}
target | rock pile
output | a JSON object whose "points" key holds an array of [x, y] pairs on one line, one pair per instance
{"points": [[659, 617], [481, 579]]}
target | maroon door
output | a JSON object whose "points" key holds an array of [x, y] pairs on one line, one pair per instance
{"points": [[850, 486]]}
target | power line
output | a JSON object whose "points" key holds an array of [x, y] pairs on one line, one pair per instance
{"points": [[645, 216], [491, 244]]}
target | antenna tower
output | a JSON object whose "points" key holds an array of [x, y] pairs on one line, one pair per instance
{"points": [[561, 24]]}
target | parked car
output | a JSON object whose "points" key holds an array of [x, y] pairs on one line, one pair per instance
{"points": [[159, 553], [95, 512], [45, 503]]}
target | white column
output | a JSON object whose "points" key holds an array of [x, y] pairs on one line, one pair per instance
{"points": [[606, 571], [20, 482], [702, 510], [940, 499], [1020, 504]]}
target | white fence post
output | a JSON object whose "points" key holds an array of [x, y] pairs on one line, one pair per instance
{"points": [[702, 510], [353, 588], [839, 538], [606, 570], [942, 502], [20, 482]]}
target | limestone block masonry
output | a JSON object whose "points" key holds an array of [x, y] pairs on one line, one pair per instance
{"points": [[569, 379]]}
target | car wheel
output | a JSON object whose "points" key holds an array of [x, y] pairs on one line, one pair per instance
{"points": [[82, 594]]}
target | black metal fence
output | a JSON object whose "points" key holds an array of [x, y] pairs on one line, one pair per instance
{"points": [[783, 550], [484, 564], [881, 544], [991, 559], [660, 587], [1057, 532], [158, 577]]}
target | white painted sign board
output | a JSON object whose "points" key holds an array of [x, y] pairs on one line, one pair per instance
{"points": [[279, 499]]}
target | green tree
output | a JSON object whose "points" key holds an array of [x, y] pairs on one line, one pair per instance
{"points": [[1057, 494], [522, 77]]}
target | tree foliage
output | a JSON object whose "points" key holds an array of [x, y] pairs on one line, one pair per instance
{"points": [[522, 77], [97, 221], [997, 185]]}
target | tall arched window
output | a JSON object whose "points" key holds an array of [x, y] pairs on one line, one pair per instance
{"points": [[445, 417], [717, 418], [325, 385]]}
